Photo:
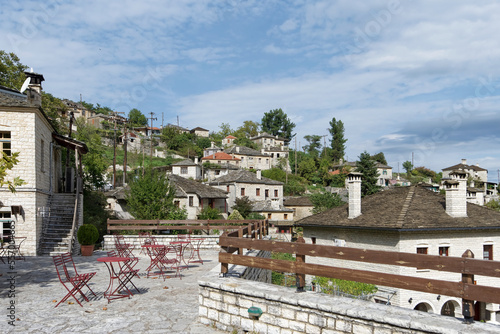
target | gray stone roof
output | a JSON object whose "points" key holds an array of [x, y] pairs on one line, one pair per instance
{"points": [[13, 98], [185, 186], [386, 210], [243, 150], [464, 167], [266, 206], [186, 162], [297, 201], [267, 135], [243, 176]]}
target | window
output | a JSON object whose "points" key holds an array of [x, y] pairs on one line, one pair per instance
{"points": [[266, 193], [384, 172], [421, 250], [269, 215], [260, 160], [313, 240], [218, 162], [177, 204], [275, 192], [285, 215], [242, 191], [217, 172], [5, 143], [42, 155], [184, 170], [257, 192], [267, 161], [191, 200], [5, 225], [443, 251], [227, 188], [487, 252]]}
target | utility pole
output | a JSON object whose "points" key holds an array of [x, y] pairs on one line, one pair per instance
{"points": [[151, 140], [324, 145], [125, 142], [295, 156]]}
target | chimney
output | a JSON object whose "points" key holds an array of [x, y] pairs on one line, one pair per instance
{"points": [[237, 149], [259, 174], [34, 91], [341, 161], [456, 191], [354, 186], [196, 160], [464, 161]]}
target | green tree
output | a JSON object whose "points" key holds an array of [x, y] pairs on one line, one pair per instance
{"points": [[54, 108], [235, 215], [6, 164], [248, 129], [243, 205], [11, 70], [307, 168], [368, 168], [313, 146], [136, 118], [209, 213], [408, 167], [94, 210], [338, 141], [94, 162], [325, 201], [276, 122], [380, 157], [150, 196]]}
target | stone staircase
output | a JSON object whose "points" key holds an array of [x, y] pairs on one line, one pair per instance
{"points": [[56, 232]]}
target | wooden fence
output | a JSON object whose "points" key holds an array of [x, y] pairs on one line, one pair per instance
{"points": [[465, 265], [189, 225]]}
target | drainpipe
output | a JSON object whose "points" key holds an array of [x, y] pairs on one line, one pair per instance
{"points": [[50, 167]]}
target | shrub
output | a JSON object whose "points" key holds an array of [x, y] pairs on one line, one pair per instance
{"points": [[87, 234]]}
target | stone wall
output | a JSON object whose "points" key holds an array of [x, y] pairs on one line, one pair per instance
{"points": [[209, 242], [224, 303]]}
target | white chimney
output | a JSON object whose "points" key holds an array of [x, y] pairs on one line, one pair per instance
{"points": [[354, 186], [456, 194], [259, 174], [464, 161], [237, 149], [196, 160]]}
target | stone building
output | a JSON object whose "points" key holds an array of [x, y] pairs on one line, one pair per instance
{"points": [[187, 169], [414, 220], [40, 202], [250, 158]]}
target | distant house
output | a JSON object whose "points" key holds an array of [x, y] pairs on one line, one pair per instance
{"points": [[180, 129], [473, 171], [275, 147], [221, 158], [414, 220], [220, 164], [147, 130], [211, 150], [302, 206], [250, 158], [77, 109], [228, 141], [384, 171], [187, 169], [200, 132], [195, 196]]}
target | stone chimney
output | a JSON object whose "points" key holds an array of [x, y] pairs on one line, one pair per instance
{"points": [[456, 194], [34, 90], [259, 174], [354, 187], [196, 160], [237, 149], [464, 161]]}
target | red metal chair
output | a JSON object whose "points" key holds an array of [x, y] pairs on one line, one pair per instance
{"points": [[73, 282], [122, 247], [195, 255], [127, 271]]}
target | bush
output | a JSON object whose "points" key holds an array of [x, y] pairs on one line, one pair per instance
{"points": [[330, 285], [87, 235], [209, 213]]}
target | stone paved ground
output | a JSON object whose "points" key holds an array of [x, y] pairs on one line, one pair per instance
{"points": [[169, 306]]}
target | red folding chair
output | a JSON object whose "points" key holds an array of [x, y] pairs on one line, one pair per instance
{"points": [[127, 272], [73, 283], [195, 255], [143, 239], [124, 249]]}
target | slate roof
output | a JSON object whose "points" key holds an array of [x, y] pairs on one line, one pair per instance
{"points": [[185, 186], [297, 201], [199, 129], [220, 156], [13, 98], [186, 162], [353, 164], [243, 150], [405, 209], [464, 166], [267, 135], [266, 206], [243, 176]]}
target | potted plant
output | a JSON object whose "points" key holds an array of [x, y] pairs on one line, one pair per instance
{"points": [[87, 237]]}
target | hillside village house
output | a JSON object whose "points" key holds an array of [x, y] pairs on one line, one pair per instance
{"points": [[41, 202], [228, 141], [222, 158], [200, 132], [274, 146], [414, 220], [250, 158], [384, 171], [195, 196], [187, 169]]}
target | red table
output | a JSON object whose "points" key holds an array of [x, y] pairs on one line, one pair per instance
{"points": [[119, 275], [183, 244]]}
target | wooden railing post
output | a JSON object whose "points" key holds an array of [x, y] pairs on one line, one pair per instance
{"points": [[240, 235], [468, 305], [300, 278], [224, 267]]}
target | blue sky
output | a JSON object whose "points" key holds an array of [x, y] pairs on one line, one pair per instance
{"points": [[404, 77]]}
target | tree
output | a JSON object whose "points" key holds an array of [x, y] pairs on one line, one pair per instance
{"points": [[367, 167], [325, 201], [338, 141], [136, 118], [314, 145], [248, 129], [408, 167], [380, 157], [307, 168], [243, 205], [94, 162], [11, 70], [54, 107], [6, 164], [151, 196], [235, 215], [209, 213], [277, 123]]}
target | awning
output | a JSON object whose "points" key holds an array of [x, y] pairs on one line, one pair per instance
{"points": [[71, 143]]}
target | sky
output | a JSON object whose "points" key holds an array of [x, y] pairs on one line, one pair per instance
{"points": [[414, 80]]}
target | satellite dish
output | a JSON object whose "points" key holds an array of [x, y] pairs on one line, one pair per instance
{"points": [[25, 85]]}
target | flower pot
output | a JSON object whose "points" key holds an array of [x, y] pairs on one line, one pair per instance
{"points": [[87, 250]]}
